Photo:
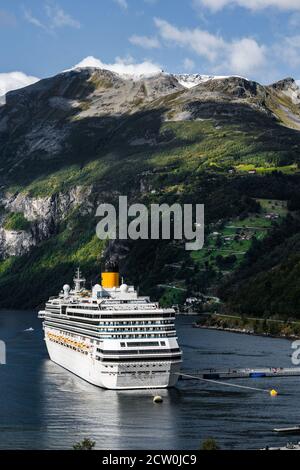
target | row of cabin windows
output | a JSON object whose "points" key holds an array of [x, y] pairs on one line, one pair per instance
{"points": [[119, 316], [121, 336], [145, 344], [150, 322], [121, 329], [120, 323], [135, 366], [157, 335], [145, 359], [113, 316], [138, 351], [163, 325], [98, 307]]}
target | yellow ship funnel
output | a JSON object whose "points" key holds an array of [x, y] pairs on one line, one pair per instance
{"points": [[110, 280]]}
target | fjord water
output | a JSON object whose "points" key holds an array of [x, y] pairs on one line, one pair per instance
{"points": [[43, 406]]}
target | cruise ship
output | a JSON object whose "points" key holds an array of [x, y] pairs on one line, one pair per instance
{"points": [[112, 337]]}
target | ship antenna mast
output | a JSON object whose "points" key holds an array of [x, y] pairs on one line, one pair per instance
{"points": [[78, 280]]}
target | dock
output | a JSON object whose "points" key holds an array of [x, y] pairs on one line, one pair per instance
{"points": [[289, 446], [214, 374], [293, 430]]}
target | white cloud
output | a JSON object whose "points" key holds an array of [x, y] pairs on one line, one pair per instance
{"points": [[239, 56], [59, 18], [14, 81], [145, 42], [246, 56], [122, 3], [202, 42], [289, 50], [216, 5], [56, 18], [188, 64], [122, 66], [33, 20]]}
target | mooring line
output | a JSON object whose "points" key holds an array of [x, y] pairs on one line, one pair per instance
{"points": [[224, 383]]}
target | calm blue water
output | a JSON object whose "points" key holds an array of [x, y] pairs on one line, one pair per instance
{"points": [[42, 406]]}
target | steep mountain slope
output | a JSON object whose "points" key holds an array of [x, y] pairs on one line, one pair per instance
{"points": [[268, 282], [84, 137]]}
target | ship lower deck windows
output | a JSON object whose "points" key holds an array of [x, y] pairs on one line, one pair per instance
{"points": [[130, 352], [145, 359]]}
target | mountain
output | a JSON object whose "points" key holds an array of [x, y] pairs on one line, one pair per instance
{"points": [[190, 80], [86, 136]]}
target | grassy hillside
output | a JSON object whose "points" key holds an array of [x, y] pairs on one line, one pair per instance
{"points": [[28, 280], [267, 283], [227, 144]]}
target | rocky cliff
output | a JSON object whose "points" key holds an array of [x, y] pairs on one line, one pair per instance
{"points": [[44, 214]]}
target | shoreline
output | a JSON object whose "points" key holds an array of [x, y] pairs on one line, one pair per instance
{"points": [[245, 332]]}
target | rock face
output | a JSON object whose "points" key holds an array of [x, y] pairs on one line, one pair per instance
{"points": [[45, 214], [289, 88], [15, 243]]}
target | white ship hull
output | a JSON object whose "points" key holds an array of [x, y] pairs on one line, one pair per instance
{"points": [[111, 337], [115, 376]]}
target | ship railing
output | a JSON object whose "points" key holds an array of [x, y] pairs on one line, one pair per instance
{"points": [[134, 308], [104, 331], [113, 318], [114, 324]]}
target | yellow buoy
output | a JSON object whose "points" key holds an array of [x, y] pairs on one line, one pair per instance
{"points": [[157, 399], [273, 393]]}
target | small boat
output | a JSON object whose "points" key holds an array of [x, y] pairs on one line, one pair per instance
{"points": [[29, 329], [291, 430], [257, 375]]}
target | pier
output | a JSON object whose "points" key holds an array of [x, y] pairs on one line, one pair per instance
{"points": [[291, 430], [214, 374]]}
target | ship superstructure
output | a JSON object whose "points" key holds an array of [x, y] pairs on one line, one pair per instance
{"points": [[111, 336]]}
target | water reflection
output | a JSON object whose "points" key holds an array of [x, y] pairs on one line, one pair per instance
{"points": [[115, 419]]}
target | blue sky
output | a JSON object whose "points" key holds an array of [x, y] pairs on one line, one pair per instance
{"points": [[259, 39]]}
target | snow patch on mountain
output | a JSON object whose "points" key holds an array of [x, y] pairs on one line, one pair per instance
{"points": [[126, 68], [192, 80]]}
